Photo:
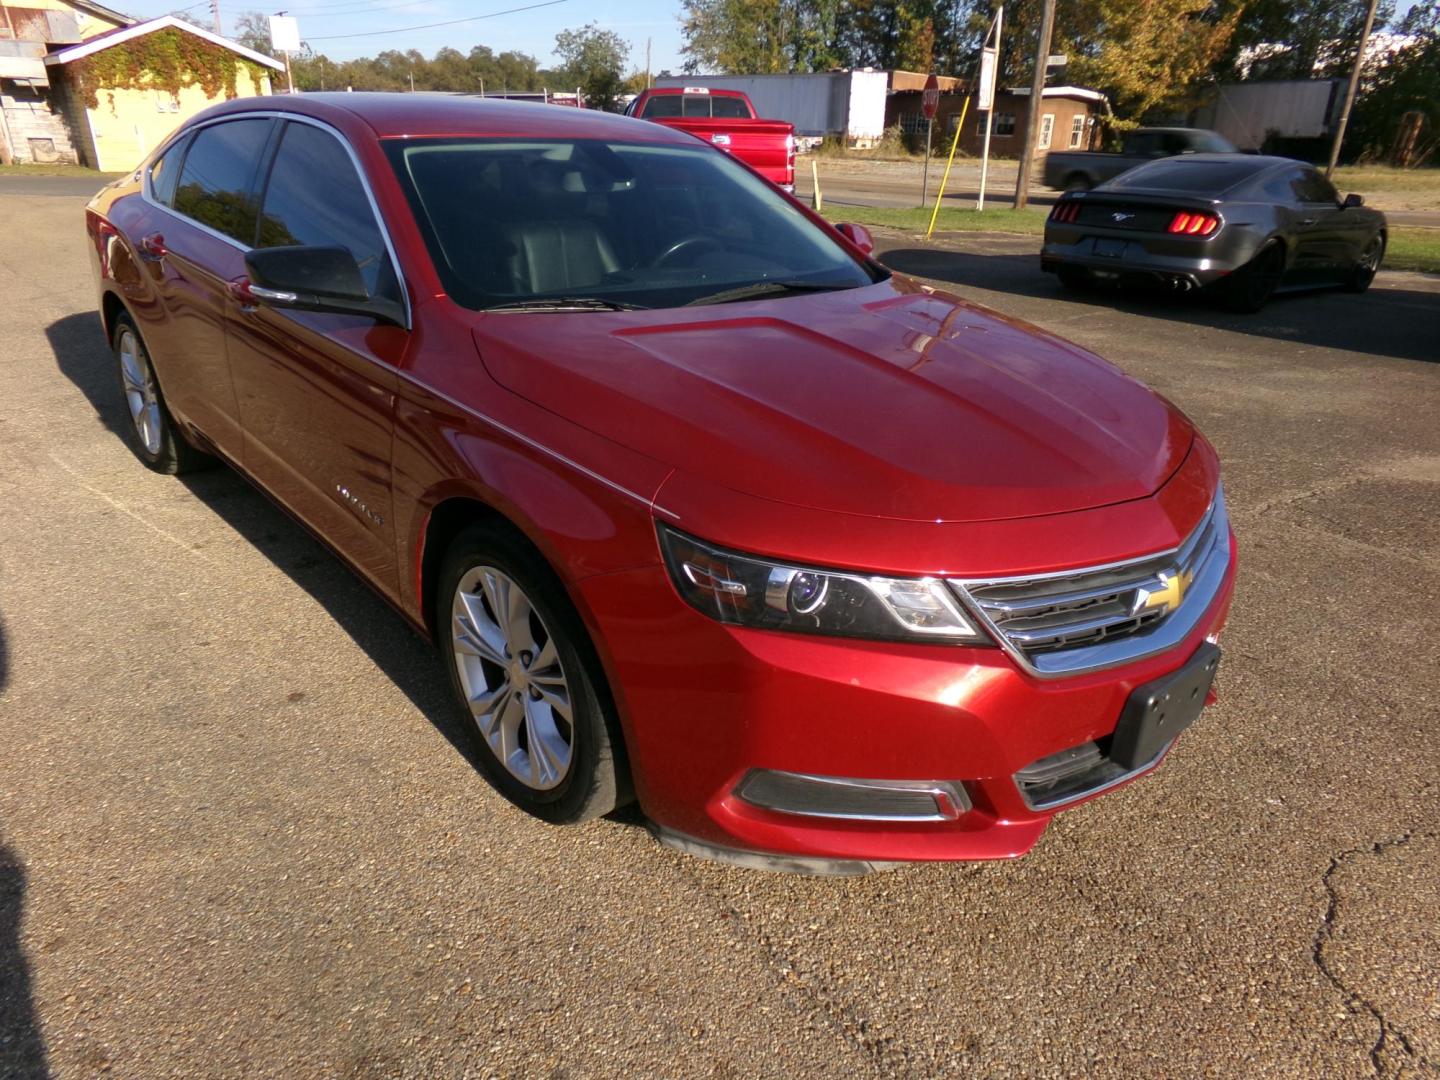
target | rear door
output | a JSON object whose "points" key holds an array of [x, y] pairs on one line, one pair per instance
{"points": [[192, 249], [317, 391]]}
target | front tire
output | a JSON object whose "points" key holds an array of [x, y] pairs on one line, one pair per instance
{"points": [[1364, 272], [527, 680], [1249, 289], [152, 433]]}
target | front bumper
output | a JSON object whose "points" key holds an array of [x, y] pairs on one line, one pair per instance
{"points": [[705, 705]]}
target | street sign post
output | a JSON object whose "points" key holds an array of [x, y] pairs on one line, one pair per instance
{"points": [[989, 62], [285, 38], [929, 102]]}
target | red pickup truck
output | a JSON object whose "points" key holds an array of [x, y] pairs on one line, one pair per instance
{"points": [[724, 118]]}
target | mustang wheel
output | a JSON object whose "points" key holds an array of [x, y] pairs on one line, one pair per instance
{"points": [[1364, 272], [152, 430], [1075, 277], [527, 679], [1250, 287]]}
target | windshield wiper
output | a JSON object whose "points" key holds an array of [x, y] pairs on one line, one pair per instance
{"points": [[566, 303], [757, 289]]}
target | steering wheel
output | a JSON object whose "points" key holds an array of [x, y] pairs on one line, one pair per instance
{"points": [[689, 243]]}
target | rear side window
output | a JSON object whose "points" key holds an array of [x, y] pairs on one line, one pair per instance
{"points": [[315, 197], [164, 172], [1187, 175], [729, 108], [664, 106], [217, 184]]}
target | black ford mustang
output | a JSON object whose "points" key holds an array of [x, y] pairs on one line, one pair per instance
{"points": [[1239, 224]]}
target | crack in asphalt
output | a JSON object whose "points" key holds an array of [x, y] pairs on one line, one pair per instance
{"points": [[1353, 998]]}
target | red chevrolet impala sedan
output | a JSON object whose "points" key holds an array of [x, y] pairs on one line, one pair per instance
{"points": [[701, 505]]}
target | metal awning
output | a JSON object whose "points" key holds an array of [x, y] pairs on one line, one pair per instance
{"points": [[26, 69]]}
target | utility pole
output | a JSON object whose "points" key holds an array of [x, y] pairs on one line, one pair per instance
{"points": [[1037, 95], [215, 14], [1344, 120], [647, 63]]}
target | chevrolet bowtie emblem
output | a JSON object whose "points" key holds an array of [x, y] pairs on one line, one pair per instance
{"points": [[1169, 593]]}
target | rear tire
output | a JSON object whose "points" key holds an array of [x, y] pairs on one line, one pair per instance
{"points": [[527, 681], [1364, 272], [1073, 277], [1250, 288], [152, 432]]}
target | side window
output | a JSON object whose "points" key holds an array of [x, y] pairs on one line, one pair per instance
{"points": [[164, 172], [1281, 187], [316, 198], [216, 185], [1316, 189], [1141, 144], [661, 106], [729, 108]]}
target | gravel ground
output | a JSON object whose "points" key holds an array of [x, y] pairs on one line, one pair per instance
{"points": [[237, 838]]}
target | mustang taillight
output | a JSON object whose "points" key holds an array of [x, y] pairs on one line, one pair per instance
{"points": [[1194, 224], [1065, 211]]}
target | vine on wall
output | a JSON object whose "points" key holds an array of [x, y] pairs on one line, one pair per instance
{"points": [[168, 60]]}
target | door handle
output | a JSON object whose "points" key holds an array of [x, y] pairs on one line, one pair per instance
{"points": [[152, 246], [1308, 221], [239, 290]]}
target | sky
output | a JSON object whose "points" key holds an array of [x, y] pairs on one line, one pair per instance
{"points": [[326, 24], [530, 31]]}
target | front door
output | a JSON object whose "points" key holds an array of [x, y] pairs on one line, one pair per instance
{"points": [[317, 391]]}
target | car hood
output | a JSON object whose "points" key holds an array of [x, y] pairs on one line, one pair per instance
{"points": [[888, 401]]}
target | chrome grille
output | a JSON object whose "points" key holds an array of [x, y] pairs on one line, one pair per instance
{"points": [[1061, 624]]}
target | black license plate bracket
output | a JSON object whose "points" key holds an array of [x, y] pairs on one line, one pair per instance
{"points": [[1159, 710]]}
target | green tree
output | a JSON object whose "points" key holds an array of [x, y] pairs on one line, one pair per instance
{"points": [[1402, 83], [594, 60], [1286, 39], [252, 29]]}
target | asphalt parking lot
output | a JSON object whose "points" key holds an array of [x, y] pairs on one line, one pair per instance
{"points": [[237, 836]]}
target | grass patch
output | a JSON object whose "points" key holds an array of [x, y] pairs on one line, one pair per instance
{"points": [[1368, 178], [1027, 222], [1413, 249], [57, 170]]}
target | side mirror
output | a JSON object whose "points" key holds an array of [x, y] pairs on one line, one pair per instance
{"points": [[312, 279], [857, 235], [1352, 200]]}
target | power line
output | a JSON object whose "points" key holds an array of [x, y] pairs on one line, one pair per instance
{"points": [[307, 15], [429, 26]]}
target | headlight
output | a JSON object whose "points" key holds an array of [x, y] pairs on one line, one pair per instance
{"points": [[748, 591]]}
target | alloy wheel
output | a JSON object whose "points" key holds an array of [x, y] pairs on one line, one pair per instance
{"points": [[140, 394], [511, 675]]}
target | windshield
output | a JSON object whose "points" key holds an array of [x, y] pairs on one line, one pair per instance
{"points": [[631, 224]]}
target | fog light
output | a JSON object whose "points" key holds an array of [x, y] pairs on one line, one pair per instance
{"points": [[859, 800]]}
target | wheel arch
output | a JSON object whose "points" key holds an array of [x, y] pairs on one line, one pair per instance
{"points": [[445, 521], [111, 308]]}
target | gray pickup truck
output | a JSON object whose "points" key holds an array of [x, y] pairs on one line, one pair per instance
{"points": [[1081, 170]]}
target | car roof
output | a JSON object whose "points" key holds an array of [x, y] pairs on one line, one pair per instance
{"points": [[398, 115], [1253, 166], [713, 91]]}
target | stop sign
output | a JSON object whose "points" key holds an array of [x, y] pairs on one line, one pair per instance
{"points": [[930, 97]]}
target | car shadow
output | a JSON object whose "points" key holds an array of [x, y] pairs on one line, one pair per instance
{"points": [[22, 1050], [1399, 323], [406, 659]]}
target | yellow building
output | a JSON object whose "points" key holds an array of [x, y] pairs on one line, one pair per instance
{"points": [[122, 92], [30, 129]]}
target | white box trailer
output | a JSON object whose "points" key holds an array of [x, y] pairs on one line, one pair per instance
{"points": [[1247, 113], [848, 104]]}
